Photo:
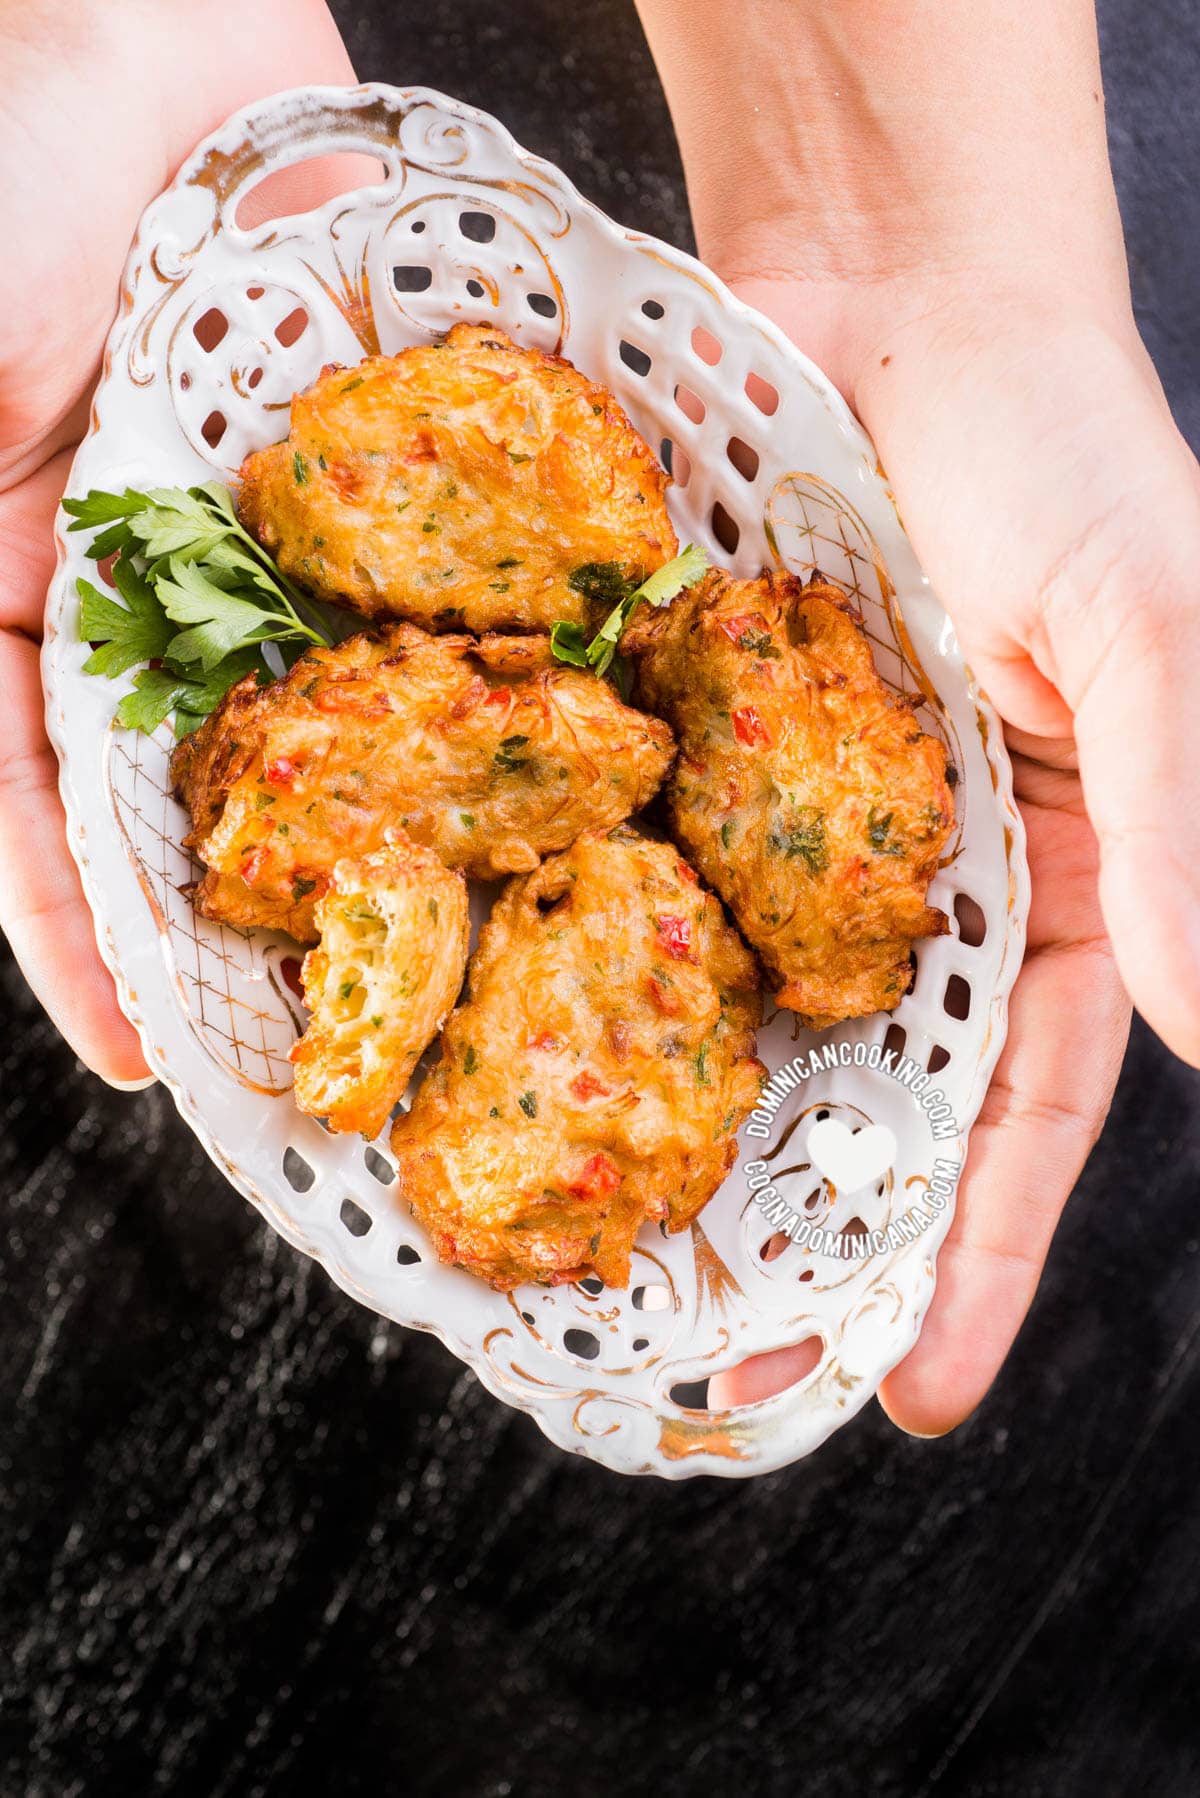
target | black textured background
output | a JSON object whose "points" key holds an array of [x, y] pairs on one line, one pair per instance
{"points": [[255, 1541]]}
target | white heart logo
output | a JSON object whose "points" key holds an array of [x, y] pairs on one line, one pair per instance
{"points": [[849, 1159]]}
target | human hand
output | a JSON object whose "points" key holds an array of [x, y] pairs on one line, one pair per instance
{"points": [[945, 242], [102, 103], [998, 524]]}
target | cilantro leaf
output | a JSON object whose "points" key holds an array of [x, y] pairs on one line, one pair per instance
{"points": [[603, 646], [603, 583], [620, 673], [663, 585], [568, 643], [684, 570]]}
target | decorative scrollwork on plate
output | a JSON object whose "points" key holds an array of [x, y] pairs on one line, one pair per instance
{"points": [[218, 326]]}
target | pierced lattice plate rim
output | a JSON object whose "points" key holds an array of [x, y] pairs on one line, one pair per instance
{"points": [[769, 463]]}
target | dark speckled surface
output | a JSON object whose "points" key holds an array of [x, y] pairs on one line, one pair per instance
{"points": [[254, 1541]]}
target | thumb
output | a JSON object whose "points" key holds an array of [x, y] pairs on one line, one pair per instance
{"points": [[1122, 620], [1057, 509]]}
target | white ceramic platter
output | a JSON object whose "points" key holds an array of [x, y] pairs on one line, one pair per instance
{"points": [[218, 326]]}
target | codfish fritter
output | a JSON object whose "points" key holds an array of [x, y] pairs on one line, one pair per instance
{"points": [[805, 790], [488, 753], [596, 1075], [393, 951], [459, 484]]}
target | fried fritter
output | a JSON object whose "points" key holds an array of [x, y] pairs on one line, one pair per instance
{"points": [[393, 951], [459, 484], [488, 753], [805, 790], [596, 1075]]}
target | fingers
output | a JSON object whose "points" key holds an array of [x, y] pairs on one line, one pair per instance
{"points": [[200, 63], [1071, 540], [42, 909], [1067, 1030], [1068, 1020], [1067, 1027], [281, 44], [762, 1376], [27, 546], [1124, 630]]}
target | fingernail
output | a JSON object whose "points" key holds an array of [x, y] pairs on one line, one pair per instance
{"points": [[130, 1086], [919, 1435]]}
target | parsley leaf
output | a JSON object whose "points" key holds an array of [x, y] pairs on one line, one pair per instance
{"points": [[603, 583], [184, 560], [801, 834], [684, 571], [97, 508], [506, 757], [173, 521], [566, 640], [220, 621], [155, 694], [159, 691], [111, 542], [569, 644], [137, 631], [879, 833]]}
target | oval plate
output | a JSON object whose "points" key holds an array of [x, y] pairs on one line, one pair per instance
{"points": [[218, 326]]}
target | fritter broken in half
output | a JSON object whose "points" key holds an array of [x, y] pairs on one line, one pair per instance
{"points": [[805, 790], [460, 484], [488, 753], [392, 956], [596, 1075]]}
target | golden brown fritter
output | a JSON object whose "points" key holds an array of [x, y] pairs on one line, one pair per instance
{"points": [[393, 951], [459, 484], [596, 1075], [488, 753], [805, 790]]}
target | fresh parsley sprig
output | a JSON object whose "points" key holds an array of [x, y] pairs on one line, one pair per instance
{"points": [[196, 598], [567, 640]]}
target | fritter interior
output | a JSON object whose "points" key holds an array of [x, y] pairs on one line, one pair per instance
{"points": [[393, 951]]}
